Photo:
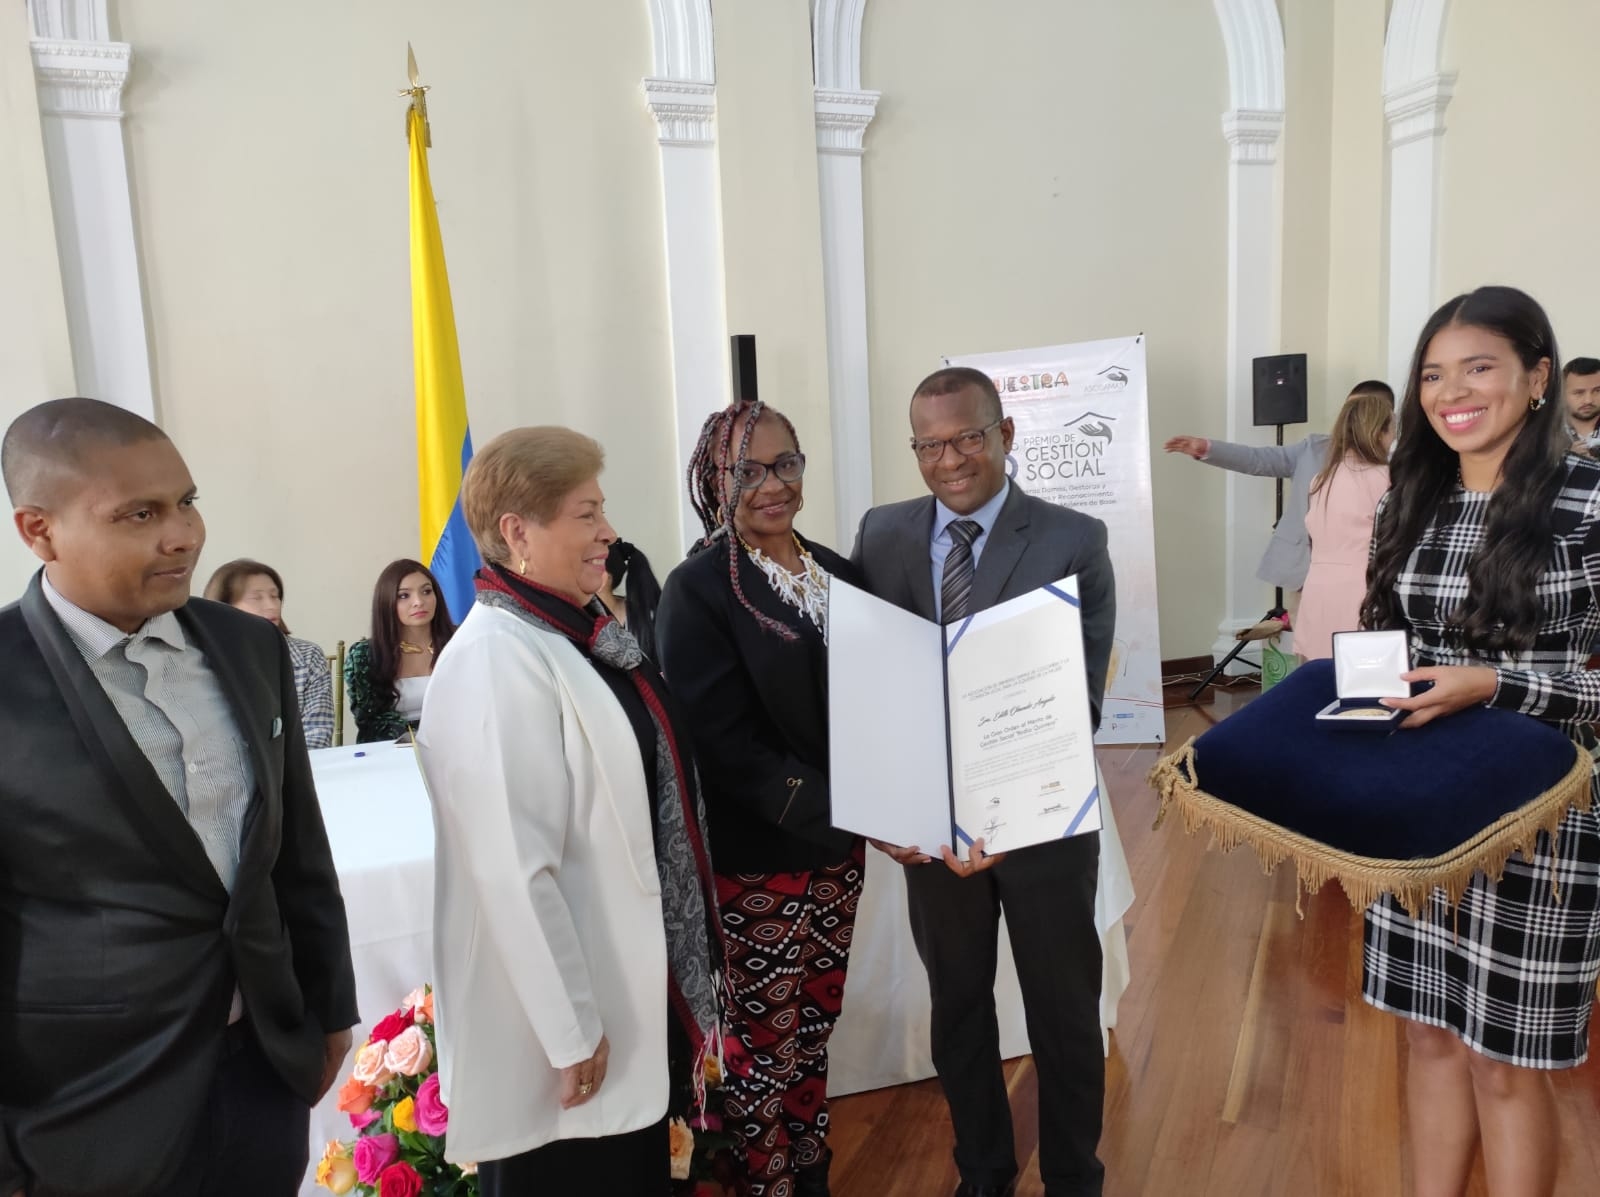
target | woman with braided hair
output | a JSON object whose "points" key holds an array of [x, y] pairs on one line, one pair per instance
{"points": [[742, 630]]}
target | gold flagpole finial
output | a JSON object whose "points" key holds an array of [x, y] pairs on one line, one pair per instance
{"points": [[418, 96]]}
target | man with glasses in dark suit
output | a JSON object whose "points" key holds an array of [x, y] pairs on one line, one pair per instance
{"points": [[975, 541]]}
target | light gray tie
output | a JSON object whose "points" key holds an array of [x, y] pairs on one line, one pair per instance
{"points": [[955, 589]]}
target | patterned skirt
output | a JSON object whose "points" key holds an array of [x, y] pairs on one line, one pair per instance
{"points": [[1512, 968]]}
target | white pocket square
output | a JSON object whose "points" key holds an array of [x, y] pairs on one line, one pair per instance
{"points": [[277, 728]]}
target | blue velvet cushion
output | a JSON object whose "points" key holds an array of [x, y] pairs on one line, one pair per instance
{"points": [[1415, 793]]}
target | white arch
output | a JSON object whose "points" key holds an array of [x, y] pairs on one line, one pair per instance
{"points": [[1253, 36], [1413, 47], [836, 44], [681, 42]]}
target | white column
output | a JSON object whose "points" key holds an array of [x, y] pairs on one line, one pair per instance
{"points": [[842, 119], [696, 295], [80, 73], [844, 110], [1415, 114], [1253, 293]]}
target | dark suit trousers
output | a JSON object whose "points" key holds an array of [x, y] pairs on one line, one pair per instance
{"points": [[252, 1140], [1047, 892]]}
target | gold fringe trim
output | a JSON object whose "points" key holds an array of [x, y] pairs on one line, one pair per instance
{"points": [[1365, 878]]}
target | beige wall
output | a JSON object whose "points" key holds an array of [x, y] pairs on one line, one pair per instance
{"points": [[269, 165], [771, 223], [35, 355], [1047, 173], [1521, 176]]}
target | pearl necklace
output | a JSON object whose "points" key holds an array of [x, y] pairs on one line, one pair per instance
{"points": [[806, 591]]}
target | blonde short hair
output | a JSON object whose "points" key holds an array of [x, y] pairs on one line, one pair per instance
{"points": [[526, 472]]}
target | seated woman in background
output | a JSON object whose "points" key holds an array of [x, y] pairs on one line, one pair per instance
{"points": [[258, 589], [1344, 498], [386, 676], [629, 570]]}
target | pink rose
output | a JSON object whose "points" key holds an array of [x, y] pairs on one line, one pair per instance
{"points": [[432, 1116], [370, 1068], [415, 998], [408, 1054], [363, 1120], [373, 1154]]}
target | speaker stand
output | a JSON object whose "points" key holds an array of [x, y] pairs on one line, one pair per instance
{"points": [[1277, 612]]}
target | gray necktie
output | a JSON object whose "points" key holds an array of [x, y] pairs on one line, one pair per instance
{"points": [[955, 590]]}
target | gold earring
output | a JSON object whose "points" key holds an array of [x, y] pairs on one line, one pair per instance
{"points": [[524, 567], [1536, 403]]}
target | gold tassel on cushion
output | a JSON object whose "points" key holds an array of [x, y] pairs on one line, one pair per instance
{"points": [[1365, 879]]}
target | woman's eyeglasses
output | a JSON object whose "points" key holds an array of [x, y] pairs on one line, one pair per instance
{"points": [[968, 444], [747, 475]]}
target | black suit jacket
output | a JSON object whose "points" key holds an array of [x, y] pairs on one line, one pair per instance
{"points": [[758, 707], [119, 946], [1033, 543]]}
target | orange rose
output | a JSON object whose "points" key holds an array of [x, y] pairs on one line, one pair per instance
{"points": [[680, 1141], [355, 1097], [425, 1011]]}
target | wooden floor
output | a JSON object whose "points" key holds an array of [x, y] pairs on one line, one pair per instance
{"points": [[1244, 1064]]}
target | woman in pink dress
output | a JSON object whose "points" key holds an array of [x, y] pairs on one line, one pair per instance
{"points": [[1344, 497]]}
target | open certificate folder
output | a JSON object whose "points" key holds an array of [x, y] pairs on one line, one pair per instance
{"points": [[942, 735]]}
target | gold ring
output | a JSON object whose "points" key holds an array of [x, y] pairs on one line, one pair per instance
{"points": [[585, 1089]]}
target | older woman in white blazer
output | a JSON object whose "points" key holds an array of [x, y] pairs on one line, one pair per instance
{"points": [[572, 945]]}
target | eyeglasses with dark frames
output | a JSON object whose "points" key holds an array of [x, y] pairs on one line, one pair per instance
{"points": [[748, 475], [968, 444]]}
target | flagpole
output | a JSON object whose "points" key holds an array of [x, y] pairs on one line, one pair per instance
{"points": [[419, 99]]}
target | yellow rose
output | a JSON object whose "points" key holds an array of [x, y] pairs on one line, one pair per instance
{"points": [[336, 1174], [405, 1114]]}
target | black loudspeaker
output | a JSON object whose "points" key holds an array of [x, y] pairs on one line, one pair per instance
{"points": [[744, 367], [1280, 389]]}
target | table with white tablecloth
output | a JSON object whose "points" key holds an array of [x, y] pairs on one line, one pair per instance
{"points": [[381, 830]]}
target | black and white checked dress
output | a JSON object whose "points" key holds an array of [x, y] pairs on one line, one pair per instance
{"points": [[1512, 969]]}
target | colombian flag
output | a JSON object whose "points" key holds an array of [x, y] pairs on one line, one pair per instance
{"points": [[444, 443]]}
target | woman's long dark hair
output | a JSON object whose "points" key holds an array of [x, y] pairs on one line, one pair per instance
{"points": [[386, 621], [1501, 614], [630, 572]]}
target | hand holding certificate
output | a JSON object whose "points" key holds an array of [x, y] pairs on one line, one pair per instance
{"points": [[979, 732]]}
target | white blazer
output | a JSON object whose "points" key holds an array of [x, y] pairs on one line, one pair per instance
{"points": [[547, 926]]}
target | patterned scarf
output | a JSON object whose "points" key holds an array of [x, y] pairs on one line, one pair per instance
{"points": [[688, 890]]}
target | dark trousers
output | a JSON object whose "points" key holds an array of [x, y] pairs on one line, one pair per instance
{"points": [[253, 1135], [1047, 892], [637, 1164]]}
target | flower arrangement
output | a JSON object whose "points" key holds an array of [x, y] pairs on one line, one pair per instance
{"points": [[392, 1098], [702, 1151]]}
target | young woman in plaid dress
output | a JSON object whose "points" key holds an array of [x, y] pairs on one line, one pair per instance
{"points": [[1487, 550]]}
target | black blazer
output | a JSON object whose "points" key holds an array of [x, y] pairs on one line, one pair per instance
{"points": [[1033, 543], [119, 946], [758, 708]]}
